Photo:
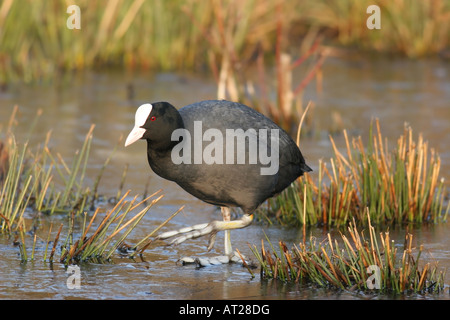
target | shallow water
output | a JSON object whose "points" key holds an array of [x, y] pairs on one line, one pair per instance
{"points": [[417, 92]]}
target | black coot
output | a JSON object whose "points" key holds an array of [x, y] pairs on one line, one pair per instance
{"points": [[223, 153]]}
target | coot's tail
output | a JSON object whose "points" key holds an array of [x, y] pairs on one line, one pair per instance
{"points": [[305, 167]]}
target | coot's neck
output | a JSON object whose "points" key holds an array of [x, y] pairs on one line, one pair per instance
{"points": [[160, 160], [160, 144]]}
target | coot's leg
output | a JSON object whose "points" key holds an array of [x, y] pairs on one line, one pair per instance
{"points": [[227, 217], [212, 228]]}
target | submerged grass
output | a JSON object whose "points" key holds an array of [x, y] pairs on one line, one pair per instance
{"points": [[99, 246], [355, 262], [95, 244], [396, 186]]}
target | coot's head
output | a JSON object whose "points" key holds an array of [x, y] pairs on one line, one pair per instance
{"points": [[155, 122]]}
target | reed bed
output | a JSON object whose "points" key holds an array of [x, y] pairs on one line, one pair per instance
{"points": [[408, 28], [355, 262], [176, 34], [131, 34], [279, 99], [401, 185]]}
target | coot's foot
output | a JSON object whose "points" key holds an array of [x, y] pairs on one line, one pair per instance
{"points": [[191, 232], [203, 229], [211, 261]]}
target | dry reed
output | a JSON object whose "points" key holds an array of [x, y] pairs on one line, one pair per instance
{"points": [[402, 185]]}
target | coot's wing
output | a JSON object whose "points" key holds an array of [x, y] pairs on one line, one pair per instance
{"points": [[232, 181]]}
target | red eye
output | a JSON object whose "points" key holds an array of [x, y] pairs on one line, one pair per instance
{"points": [[153, 118]]}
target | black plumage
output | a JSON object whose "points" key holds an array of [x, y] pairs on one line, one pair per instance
{"points": [[223, 184]]}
